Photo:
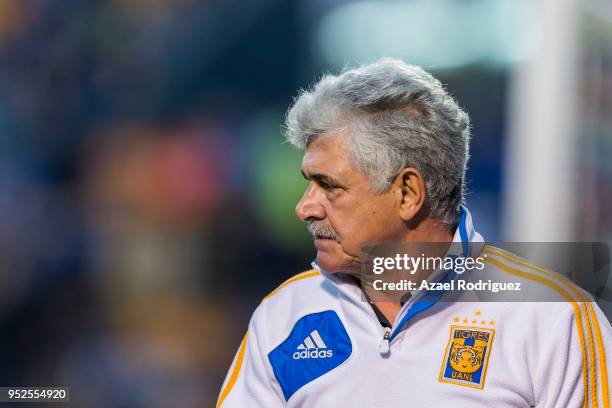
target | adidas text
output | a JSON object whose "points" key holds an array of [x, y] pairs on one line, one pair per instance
{"points": [[312, 354]]}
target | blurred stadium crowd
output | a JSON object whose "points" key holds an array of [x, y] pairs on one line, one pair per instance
{"points": [[146, 197]]}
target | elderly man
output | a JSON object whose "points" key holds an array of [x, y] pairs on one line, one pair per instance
{"points": [[386, 149]]}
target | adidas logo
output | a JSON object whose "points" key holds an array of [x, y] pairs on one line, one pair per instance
{"points": [[313, 346]]}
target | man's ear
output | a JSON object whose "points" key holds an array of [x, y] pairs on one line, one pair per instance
{"points": [[411, 187]]}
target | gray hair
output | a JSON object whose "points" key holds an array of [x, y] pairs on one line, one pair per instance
{"points": [[398, 116]]}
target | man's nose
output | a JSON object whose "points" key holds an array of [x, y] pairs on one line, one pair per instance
{"points": [[309, 206]]}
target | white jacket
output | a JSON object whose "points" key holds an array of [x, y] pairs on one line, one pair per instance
{"points": [[314, 342]]}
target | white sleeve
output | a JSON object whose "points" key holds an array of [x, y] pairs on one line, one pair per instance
{"points": [[572, 366], [249, 381]]}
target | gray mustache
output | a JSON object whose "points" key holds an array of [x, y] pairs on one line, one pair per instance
{"points": [[319, 229]]}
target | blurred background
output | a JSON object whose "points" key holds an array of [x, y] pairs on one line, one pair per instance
{"points": [[146, 197]]}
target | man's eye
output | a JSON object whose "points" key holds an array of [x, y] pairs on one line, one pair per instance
{"points": [[327, 186]]}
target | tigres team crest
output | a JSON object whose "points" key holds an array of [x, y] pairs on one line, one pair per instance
{"points": [[467, 355]]}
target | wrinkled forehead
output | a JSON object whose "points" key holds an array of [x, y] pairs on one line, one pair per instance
{"points": [[328, 154]]}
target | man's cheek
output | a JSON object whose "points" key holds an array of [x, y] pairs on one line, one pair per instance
{"points": [[351, 246]]}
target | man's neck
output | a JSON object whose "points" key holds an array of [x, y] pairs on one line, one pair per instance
{"points": [[428, 231]]}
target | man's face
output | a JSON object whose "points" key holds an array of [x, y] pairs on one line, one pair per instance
{"points": [[342, 213]]}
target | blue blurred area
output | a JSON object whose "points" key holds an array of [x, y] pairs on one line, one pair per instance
{"points": [[146, 197]]}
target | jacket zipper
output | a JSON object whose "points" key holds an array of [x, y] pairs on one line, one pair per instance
{"points": [[384, 347]]}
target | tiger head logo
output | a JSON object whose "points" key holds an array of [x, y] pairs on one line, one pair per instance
{"points": [[466, 359]]}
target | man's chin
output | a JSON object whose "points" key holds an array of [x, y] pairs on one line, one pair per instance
{"points": [[327, 263], [332, 259]]}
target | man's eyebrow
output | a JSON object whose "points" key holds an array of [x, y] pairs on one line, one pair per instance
{"points": [[322, 177]]}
